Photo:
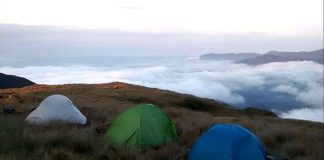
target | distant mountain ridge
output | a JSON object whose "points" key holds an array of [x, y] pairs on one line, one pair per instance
{"points": [[11, 81], [229, 56], [269, 57]]}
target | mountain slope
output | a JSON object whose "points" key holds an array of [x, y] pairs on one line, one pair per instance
{"points": [[268, 58], [272, 56], [316, 56], [110, 93], [102, 103], [303, 54], [275, 56], [11, 81]]}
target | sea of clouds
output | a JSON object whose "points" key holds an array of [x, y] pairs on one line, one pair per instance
{"points": [[291, 89]]}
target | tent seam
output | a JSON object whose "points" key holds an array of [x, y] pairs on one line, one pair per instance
{"points": [[139, 128]]}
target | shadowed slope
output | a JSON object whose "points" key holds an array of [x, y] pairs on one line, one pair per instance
{"points": [[10, 81]]}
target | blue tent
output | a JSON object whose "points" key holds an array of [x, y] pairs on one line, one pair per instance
{"points": [[227, 142]]}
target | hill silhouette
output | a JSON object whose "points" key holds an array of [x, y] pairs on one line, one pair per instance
{"points": [[275, 56], [228, 56], [11, 81], [269, 57]]}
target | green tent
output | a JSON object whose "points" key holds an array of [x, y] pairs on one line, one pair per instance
{"points": [[142, 126]]}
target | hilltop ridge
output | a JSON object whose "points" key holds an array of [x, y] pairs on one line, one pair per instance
{"points": [[11, 81], [269, 57], [118, 92]]}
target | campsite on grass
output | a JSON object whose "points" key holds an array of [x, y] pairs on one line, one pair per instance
{"points": [[134, 122], [161, 80]]}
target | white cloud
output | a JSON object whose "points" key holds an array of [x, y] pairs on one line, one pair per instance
{"points": [[202, 88], [31, 42], [313, 95], [286, 89], [217, 80], [305, 114]]}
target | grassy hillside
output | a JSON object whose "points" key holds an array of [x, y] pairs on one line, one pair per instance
{"points": [[101, 103]]}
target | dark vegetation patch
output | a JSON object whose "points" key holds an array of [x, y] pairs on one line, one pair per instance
{"points": [[252, 111], [194, 104]]}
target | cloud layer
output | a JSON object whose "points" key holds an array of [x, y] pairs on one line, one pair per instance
{"points": [[29, 43], [296, 86]]}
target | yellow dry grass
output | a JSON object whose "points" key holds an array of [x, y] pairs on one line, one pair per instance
{"points": [[101, 103]]}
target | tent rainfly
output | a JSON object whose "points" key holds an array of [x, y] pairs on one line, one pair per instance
{"points": [[140, 127], [56, 108], [226, 142]]}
